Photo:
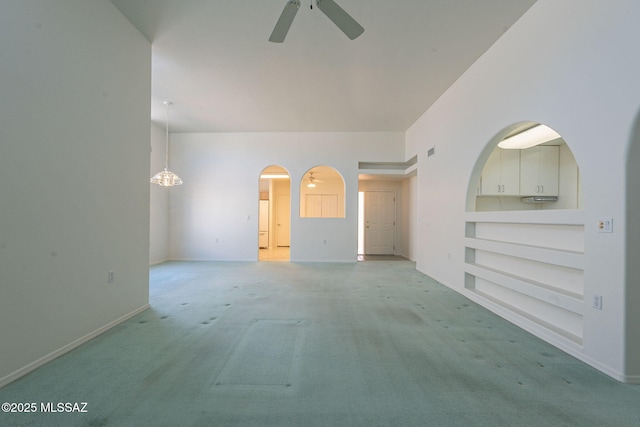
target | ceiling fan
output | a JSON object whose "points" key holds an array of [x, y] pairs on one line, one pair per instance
{"points": [[313, 180], [334, 12]]}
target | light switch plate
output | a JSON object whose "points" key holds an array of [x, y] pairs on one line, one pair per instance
{"points": [[597, 302], [605, 225]]}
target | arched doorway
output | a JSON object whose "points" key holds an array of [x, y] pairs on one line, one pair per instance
{"points": [[274, 215]]}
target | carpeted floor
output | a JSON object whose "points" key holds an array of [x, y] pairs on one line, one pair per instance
{"points": [[286, 344]]}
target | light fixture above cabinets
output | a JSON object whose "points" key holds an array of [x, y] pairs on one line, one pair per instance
{"points": [[529, 138]]}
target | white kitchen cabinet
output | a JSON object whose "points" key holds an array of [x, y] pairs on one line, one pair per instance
{"points": [[539, 167], [501, 174]]}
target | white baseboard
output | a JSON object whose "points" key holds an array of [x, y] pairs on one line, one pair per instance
{"points": [[65, 349], [630, 379]]}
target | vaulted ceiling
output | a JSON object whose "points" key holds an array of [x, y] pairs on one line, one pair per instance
{"points": [[213, 60]]}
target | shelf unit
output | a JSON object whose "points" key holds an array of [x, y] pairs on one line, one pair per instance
{"points": [[530, 265]]}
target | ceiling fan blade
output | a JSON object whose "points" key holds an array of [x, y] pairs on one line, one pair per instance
{"points": [[284, 22], [342, 19]]}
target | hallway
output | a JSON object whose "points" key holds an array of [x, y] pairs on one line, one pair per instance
{"points": [[345, 344], [279, 253]]}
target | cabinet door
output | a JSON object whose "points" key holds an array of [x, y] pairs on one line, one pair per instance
{"points": [[529, 172], [539, 171], [510, 172], [491, 184], [501, 174], [549, 170]]}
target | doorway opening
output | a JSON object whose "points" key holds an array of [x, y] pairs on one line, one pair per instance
{"points": [[274, 214]]}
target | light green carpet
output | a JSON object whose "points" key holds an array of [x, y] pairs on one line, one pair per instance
{"points": [[284, 344]]}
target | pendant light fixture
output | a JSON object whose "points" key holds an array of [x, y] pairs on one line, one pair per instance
{"points": [[166, 178]]}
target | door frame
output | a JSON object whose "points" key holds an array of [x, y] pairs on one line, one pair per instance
{"points": [[364, 219], [278, 171], [285, 213]]}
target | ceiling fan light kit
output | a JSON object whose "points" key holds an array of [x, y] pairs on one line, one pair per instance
{"points": [[330, 8], [312, 181]]}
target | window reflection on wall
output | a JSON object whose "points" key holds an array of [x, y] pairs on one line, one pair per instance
{"points": [[322, 193]]}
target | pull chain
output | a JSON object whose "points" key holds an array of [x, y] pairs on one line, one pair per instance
{"points": [[166, 145]]}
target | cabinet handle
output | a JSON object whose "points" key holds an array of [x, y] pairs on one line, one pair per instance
{"points": [[503, 188], [542, 189], [498, 188]]}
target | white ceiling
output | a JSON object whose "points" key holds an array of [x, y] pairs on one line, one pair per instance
{"points": [[213, 60]]}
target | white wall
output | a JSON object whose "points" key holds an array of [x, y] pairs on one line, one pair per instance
{"points": [[408, 212], [566, 64], [632, 296], [214, 215], [159, 202], [74, 159], [569, 181]]}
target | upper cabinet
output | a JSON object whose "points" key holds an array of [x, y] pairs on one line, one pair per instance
{"points": [[529, 172], [501, 174], [539, 171]]}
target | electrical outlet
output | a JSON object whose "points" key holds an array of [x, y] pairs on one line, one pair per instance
{"points": [[605, 225], [597, 302], [110, 276]]}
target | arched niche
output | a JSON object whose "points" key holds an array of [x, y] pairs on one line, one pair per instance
{"points": [[517, 259], [526, 166], [322, 193]]}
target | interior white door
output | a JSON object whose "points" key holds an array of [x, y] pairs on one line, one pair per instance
{"points": [[283, 220], [379, 222]]}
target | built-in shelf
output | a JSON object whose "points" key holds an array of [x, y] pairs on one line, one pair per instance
{"points": [[541, 291], [564, 258], [573, 338], [531, 265]]}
